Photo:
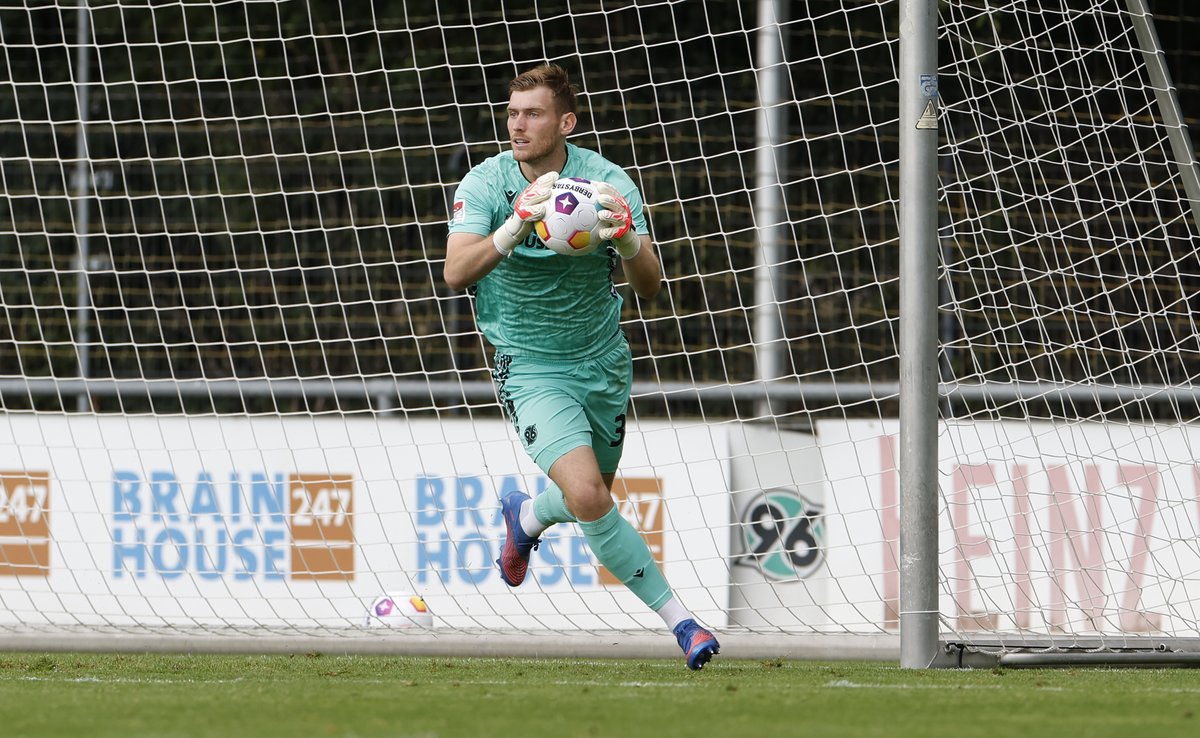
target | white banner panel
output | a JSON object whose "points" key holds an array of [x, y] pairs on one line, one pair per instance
{"points": [[303, 521], [1083, 528], [675, 492], [778, 565]]}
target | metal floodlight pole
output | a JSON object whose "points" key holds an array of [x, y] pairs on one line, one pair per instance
{"points": [[768, 196], [83, 185], [918, 334]]}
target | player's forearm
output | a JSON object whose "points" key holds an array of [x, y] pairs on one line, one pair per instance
{"points": [[644, 271], [469, 258], [468, 261]]}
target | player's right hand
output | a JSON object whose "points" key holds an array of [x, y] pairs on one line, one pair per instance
{"points": [[529, 206]]}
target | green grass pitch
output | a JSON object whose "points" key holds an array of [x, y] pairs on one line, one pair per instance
{"points": [[320, 695]]}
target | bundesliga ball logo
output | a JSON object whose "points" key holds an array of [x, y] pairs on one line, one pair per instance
{"points": [[571, 226]]}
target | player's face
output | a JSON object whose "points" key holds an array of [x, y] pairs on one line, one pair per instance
{"points": [[536, 130]]}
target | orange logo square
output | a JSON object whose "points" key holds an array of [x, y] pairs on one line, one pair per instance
{"points": [[322, 525], [25, 523]]}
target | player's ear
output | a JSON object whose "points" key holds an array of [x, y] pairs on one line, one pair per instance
{"points": [[566, 123]]}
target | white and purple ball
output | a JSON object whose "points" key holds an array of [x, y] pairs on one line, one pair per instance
{"points": [[571, 226], [399, 610]]}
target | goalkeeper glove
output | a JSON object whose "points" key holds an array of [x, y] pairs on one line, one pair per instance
{"points": [[617, 221], [530, 206]]}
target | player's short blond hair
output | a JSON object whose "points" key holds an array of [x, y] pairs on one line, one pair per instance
{"points": [[553, 78]]}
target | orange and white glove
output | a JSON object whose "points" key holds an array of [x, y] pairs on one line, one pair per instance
{"points": [[530, 206], [617, 221]]}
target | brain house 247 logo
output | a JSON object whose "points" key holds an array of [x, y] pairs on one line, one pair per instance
{"points": [[783, 534], [214, 525]]}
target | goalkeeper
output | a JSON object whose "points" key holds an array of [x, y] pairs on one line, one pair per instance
{"points": [[562, 369]]}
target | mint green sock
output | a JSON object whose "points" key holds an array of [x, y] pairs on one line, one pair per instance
{"points": [[549, 507], [623, 552]]}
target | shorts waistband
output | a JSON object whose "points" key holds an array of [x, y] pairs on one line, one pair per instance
{"points": [[608, 345]]}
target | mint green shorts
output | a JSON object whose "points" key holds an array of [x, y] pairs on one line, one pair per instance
{"points": [[558, 406]]}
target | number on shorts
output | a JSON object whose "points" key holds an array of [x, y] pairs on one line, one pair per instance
{"points": [[620, 431]]}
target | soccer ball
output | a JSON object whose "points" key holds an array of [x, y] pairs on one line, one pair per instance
{"points": [[571, 227], [399, 610]]}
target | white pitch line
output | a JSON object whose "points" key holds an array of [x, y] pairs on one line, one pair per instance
{"points": [[348, 680], [847, 684], [698, 683]]}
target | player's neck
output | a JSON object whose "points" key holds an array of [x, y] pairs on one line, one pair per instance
{"points": [[549, 163]]}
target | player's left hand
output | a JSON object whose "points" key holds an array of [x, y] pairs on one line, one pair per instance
{"points": [[617, 221]]}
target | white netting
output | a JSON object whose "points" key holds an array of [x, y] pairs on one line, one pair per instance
{"points": [[1070, 267], [237, 394]]}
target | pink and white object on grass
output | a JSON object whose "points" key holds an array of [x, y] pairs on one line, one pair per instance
{"points": [[399, 610]]}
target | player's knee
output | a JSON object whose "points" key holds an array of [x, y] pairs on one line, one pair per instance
{"points": [[590, 502]]}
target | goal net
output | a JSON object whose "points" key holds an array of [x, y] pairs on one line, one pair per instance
{"points": [[237, 401], [1070, 491]]}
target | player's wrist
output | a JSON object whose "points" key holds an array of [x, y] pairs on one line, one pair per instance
{"points": [[510, 234], [628, 245]]}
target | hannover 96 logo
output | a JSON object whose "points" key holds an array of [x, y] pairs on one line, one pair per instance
{"points": [[783, 535]]}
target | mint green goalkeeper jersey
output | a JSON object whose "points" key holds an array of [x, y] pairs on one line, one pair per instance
{"points": [[537, 302]]}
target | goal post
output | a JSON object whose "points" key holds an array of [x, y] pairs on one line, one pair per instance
{"points": [[918, 334], [939, 412]]}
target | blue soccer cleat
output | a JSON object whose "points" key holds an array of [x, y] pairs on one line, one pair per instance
{"points": [[699, 646], [514, 554]]}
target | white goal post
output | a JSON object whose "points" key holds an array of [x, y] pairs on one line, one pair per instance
{"points": [[920, 385]]}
